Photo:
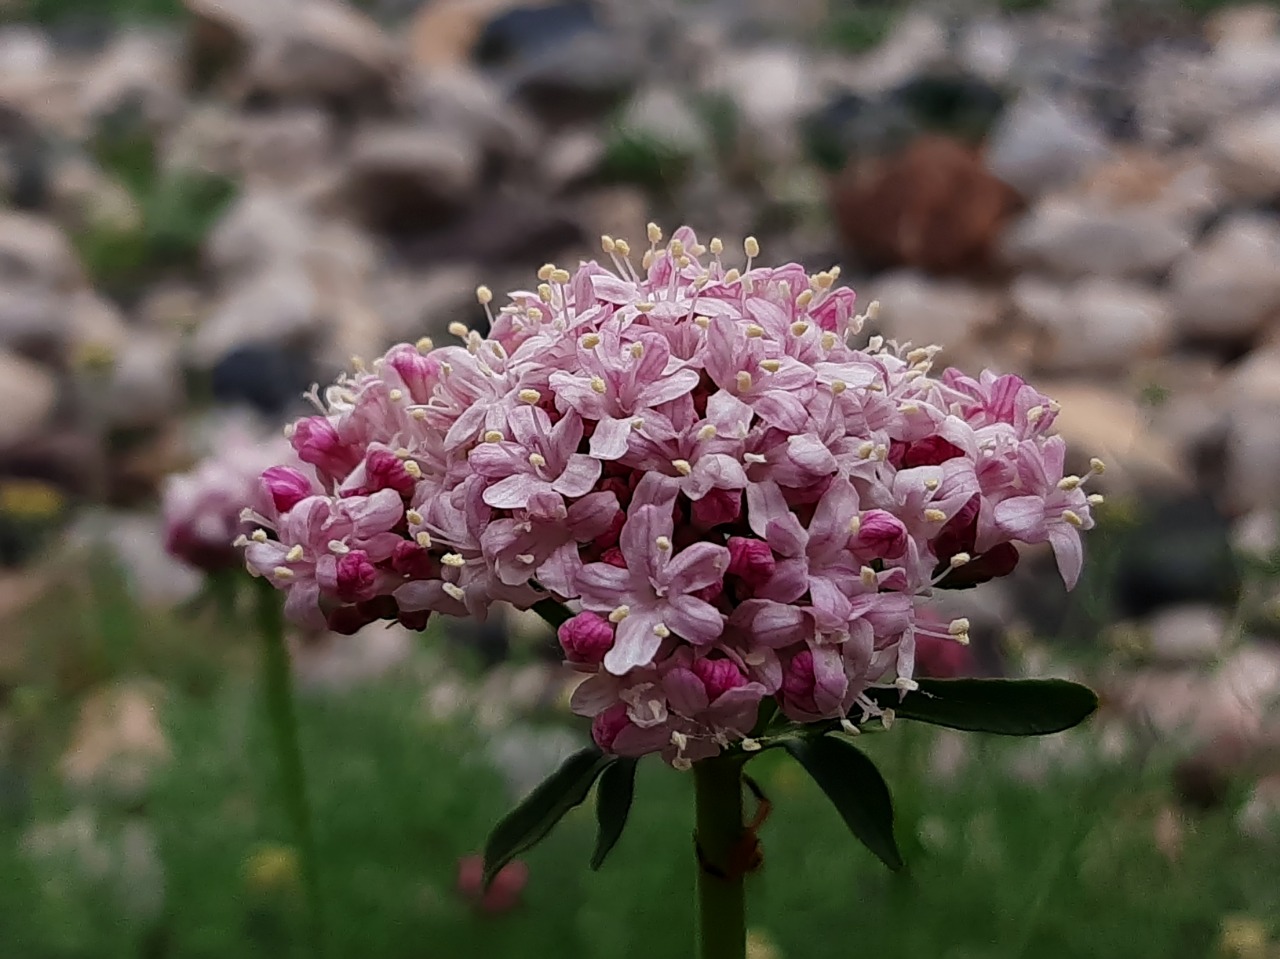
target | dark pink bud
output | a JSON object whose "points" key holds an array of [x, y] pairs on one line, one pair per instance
{"points": [[718, 507], [416, 371], [798, 681], [412, 561], [356, 576], [504, 892], [585, 638], [751, 561], [610, 536], [939, 658], [881, 534], [348, 620], [385, 470], [930, 451], [613, 556], [718, 676], [286, 486], [316, 441], [608, 725]]}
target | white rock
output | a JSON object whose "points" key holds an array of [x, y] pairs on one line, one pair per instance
{"points": [[1187, 633], [417, 161], [924, 311], [27, 396], [771, 86], [207, 138], [1252, 395], [423, 303], [466, 101], [989, 48], [277, 306], [34, 250], [1259, 819], [1075, 237], [260, 228], [1041, 143], [1246, 150], [1094, 324], [1256, 535], [342, 662], [24, 51], [916, 42], [661, 115], [1228, 287], [97, 328], [136, 542], [33, 321], [139, 71], [145, 384]]}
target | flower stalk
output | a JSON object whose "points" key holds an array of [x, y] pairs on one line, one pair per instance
{"points": [[719, 835], [277, 681]]}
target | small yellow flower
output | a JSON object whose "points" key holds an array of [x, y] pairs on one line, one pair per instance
{"points": [[30, 499], [272, 869], [1243, 937]]}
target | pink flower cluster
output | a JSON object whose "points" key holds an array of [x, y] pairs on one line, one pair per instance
{"points": [[201, 509], [735, 501]]}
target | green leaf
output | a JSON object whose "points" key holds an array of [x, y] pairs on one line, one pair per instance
{"points": [[613, 804], [1009, 707], [552, 613], [855, 787], [528, 824]]}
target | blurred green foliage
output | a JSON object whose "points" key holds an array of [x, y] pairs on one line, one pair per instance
{"points": [[57, 12], [1031, 848]]}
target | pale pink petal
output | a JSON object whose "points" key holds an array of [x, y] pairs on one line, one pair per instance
{"points": [[693, 620]]}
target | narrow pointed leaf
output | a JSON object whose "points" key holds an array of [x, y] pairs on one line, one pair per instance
{"points": [[537, 814], [855, 787], [613, 804], [1009, 707]]}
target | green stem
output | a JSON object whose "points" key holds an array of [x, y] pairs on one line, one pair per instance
{"points": [[277, 676], [722, 923]]}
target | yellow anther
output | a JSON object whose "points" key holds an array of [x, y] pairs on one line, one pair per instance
{"points": [[423, 539], [637, 350], [676, 247], [839, 386], [868, 577], [453, 559], [413, 469], [1069, 482], [799, 328], [1095, 499], [590, 341], [425, 345], [545, 271], [663, 543], [484, 295], [645, 307], [283, 572], [1072, 519], [294, 555], [544, 292], [707, 432], [855, 524], [771, 366], [751, 246], [702, 322], [958, 626], [395, 396], [716, 246], [1097, 466], [493, 436], [413, 517], [598, 384], [804, 299], [755, 331], [607, 244], [931, 484], [619, 614], [259, 536], [623, 247], [655, 233], [682, 467], [458, 329], [732, 276], [454, 592], [537, 460], [532, 397], [960, 559], [560, 276], [935, 515], [660, 630], [866, 449], [743, 380]]}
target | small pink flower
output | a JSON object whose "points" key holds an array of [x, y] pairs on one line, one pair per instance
{"points": [[504, 892]]}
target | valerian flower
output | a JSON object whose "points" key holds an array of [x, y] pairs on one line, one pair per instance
{"points": [[733, 502]]}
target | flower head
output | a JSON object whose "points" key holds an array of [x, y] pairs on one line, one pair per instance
{"points": [[740, 503]]}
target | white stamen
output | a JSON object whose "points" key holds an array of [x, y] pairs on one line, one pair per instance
{"points": [[454, 592], [682, 467], [663, 543], [453, 559], [619, 614]]}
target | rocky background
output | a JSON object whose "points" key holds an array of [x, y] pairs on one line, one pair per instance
{"points": [[209, 206]]}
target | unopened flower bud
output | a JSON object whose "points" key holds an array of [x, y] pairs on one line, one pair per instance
{"points": [[751, 561], [585, 638]]}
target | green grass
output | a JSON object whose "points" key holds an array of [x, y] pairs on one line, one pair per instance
{"points": [[999, 867]]}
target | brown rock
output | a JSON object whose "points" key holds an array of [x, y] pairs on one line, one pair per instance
{"points": [[934, 206], [443, 33], [117, 743]]}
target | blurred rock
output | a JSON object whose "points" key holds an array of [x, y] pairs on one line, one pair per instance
{"points": [[924, 311], [336, 662], [951, 103], [1253, 442], [277, 307], [206, 139], [560, 60], [33, 322], [260, 227], [1080, 238], [117, 744], [405, 179], [1256, 535], [415, 303], [97, 329], [323, 50], [500, 229], [1041, 143], [144, 387], [989, 48], [934, 207], [137, 79], [771, 87], [444, 32], [1259, 819], [1190, 633], [82, 197], [917, 42], [27, 396], [850, 125], [1099, 421], [661, 116], [136, 542], [526, 755], [1246, 150], [472, 107], [1227, 288], [1095, 325], [1176, 552], [279, 150], [268, 378], [34, 250]]}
